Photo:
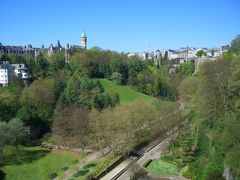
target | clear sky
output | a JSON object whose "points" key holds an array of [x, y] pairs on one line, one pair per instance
{"points": [[122, 25]]}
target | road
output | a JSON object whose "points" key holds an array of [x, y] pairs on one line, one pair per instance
{"points": [[154, 152], [117, 169]]}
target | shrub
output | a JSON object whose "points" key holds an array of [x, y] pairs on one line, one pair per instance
{"points": [[117, 77], [52, 175], [186, 172], [212, 172]]}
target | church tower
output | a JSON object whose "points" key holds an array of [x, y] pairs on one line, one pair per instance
{"points": [[84, 41]]}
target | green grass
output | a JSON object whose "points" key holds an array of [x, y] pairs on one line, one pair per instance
{"points": [[95, 167], [162, 167], [126, 93], [35, 163]]}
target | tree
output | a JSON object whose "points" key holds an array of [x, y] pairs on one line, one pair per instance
{"points": [[174, 86], [9, 102], [132, 79], [80, 91], [216, 113], [158, 64], [235, 44], [12, 133], [141, 83], [187, 68], [37, 104], [117, 77], [59, 88], [41, 65], [231, 131], [14, 59], [165, 57], [217, 84], [157, 86], [189, 86], [57, 61], [200, 53], [70, 127], [212, 52]]}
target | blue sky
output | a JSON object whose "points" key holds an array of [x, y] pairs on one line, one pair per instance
{"points": [[122, 25]]}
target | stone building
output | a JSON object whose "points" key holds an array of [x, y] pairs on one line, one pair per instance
{"points": [[84, 41], [31, 51]]}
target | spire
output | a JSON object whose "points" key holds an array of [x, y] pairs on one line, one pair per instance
{"points": [[58, 44], [83, 35]]}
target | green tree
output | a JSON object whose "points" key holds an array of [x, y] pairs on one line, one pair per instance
{"points": [[187, 68], [200, 53], [235, 44], [117, 77], [56, 61], [132, 79], [41, 66], [12, 133], [9, 101], [158, 64], [14, 59], [212, 52], [37, 105]]}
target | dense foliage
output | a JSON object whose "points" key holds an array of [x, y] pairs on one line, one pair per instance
{"points": [[213, 121], [144, 76], [12, 133], [67, 101]]}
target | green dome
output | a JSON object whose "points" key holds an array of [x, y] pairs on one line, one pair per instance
{"points": [[83, 35]]}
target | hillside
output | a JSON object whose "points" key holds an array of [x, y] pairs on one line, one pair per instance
{"points": [[128, 94]]}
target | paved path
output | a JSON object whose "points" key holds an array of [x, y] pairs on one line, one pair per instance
{"points": [[146, 151], [153, 153], [116, 170], [154, 150]]}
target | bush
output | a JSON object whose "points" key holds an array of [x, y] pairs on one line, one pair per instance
{"points": [[117, 77], [187, 68], [52, 175], [212, 172], [186, 172], [65, 168]]}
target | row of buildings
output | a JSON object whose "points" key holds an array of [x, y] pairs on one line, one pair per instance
{"points": [[181, 55], [29, 50], [8, 71]]}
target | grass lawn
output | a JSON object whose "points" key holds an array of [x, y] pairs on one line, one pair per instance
{"points": [[95, 167], [162, 167], [36, 163], [128, 94]]}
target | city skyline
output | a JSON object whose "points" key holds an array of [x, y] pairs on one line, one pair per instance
{"points": [[121, 26]]}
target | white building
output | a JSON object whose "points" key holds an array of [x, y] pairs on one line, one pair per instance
{"points": [[131, 55], [7, 71], [21, 71], [3, 77]]}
